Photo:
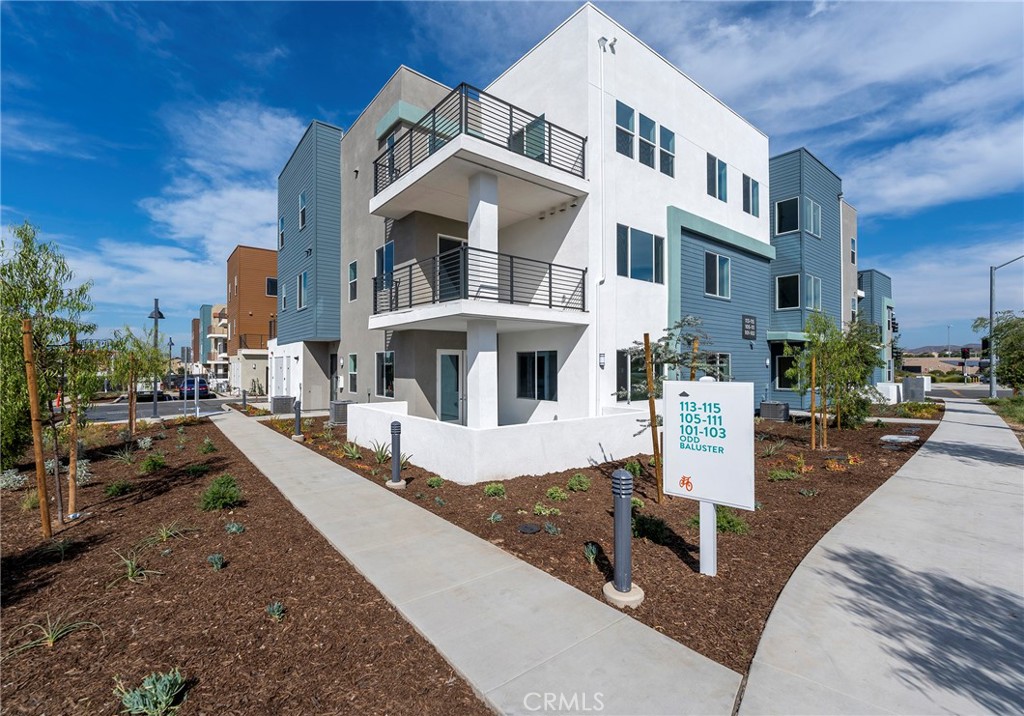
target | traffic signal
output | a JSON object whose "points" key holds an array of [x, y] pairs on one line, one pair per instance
{"points": [[984, 346], [965, 353]]}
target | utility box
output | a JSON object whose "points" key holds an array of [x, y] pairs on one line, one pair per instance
{"points": [[913, 390], [339, 411], [775, 410], [282, 404]]}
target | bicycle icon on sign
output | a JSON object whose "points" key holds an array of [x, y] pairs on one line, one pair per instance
{"points": [[686, 483]]}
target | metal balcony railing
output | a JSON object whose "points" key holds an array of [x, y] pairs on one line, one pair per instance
{"points": [[251, 341], [468, 110], [478, 274]]}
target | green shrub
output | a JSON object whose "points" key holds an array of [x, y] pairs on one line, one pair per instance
{"points": [[223, 493], [726, 521], [809, 492], [276, 610], [633, 467], [351, 451], [234, 528], [29, 501], [435, 481], [83, 472], [207, 446], [495, 517], [778, 475], [653, 528], [579, 483], [557, 494], [216, 561], [551, 529], [145, 443], [153, 462], [439, 501], [381, 452], [494, 489], [159, 694], [635, 503], [12, 480], [197, 470], [542, 510], [773, 447], [590, 552], [118, 488]]}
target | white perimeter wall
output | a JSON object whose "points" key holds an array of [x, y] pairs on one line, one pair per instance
{"points": [[468, 456]]}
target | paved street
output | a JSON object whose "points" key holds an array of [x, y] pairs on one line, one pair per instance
{"points": [[965, 390], [113, 412]]}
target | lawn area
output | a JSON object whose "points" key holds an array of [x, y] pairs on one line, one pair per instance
{"points": [[337, 648], [1012, 411], [801, 494]]}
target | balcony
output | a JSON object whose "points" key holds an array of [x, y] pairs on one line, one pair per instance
{"points": [[539, 164], [444, 291], [252, 341]]}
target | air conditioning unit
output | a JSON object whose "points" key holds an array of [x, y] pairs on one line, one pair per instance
{"points": [[282, 404], [775, 410], [339, 411]]}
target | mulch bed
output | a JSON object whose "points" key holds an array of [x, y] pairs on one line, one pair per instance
{"points": [[340, 649], [721, 617]]}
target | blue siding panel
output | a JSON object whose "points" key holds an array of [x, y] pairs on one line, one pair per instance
{"points": [[722, 318], [314, 168]]}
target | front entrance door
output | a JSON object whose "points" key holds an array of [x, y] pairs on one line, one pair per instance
{"points": [[451, 386]]}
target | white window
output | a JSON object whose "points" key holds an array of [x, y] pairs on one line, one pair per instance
{"points": [[668, 152], [812, 299], [717, 275], [353, 372], [787, 216], [853, 250], [302, 211], [720, 366], [751, 196], [717, 178], [640, 254], [624, 130], [813, 217], [386, 374], [301, 282], [787, 292], [537, 375], [280, 232], [646, 151], [353, 274]]}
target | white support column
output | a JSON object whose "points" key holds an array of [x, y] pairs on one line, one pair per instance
{"points": [[482, 374], [483, 211]]}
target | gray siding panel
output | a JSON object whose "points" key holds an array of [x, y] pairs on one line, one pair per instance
{"points": [[722, 318]]}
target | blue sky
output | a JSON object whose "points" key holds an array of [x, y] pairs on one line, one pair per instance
{"points": [[145, 139]]}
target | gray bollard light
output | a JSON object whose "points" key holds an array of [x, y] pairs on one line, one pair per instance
{"points": [[396, 482], [621, 591], [243, 399], [298, 436]]}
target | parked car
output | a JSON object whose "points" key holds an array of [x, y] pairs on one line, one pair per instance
{"points": [[188, 388]]}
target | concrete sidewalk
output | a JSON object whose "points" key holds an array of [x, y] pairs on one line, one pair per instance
{"points": [[913, 603], [525, 641]]}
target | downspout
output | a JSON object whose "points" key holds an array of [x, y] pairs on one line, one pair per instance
{"points": [[602, 42]]}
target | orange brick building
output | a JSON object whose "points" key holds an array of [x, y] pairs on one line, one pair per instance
{"points": [[252, 314]]}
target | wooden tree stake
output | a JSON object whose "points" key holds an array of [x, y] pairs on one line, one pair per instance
{"points": [[814, 415], [37, 426], [654, 415]]}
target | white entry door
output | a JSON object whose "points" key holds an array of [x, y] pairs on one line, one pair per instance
{"points": [[451, 386], [278, 375]]}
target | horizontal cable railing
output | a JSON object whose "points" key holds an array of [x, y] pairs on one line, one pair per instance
{"points": [[467, 110], [478, 274]]}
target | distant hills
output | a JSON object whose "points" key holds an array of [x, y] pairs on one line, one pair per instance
{"points": [[954, 347]]}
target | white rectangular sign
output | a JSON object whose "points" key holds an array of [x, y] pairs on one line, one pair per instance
{"points": [[709, 442]]}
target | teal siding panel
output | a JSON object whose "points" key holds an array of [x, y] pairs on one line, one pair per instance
{"points": [[327, 250]]}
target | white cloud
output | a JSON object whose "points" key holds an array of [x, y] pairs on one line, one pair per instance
{"points": [[26, 135], [262, 61]]}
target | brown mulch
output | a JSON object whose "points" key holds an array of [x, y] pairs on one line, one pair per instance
{"points": [[721, 617], [340, 649]]}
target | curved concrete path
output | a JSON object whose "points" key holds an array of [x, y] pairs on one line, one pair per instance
{"points": [[913, 603], [526, 642]]}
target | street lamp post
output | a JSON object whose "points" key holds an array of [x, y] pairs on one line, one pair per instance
{"points": [[949, 349], [156, 316], [170, 356], [992, 324]]}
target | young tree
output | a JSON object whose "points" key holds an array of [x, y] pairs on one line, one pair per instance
{"points": [[36, 284], [1008, 337], [134, 358], [681, 350]]}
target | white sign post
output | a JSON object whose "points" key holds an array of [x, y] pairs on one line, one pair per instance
{"points": [[709, 452]]}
